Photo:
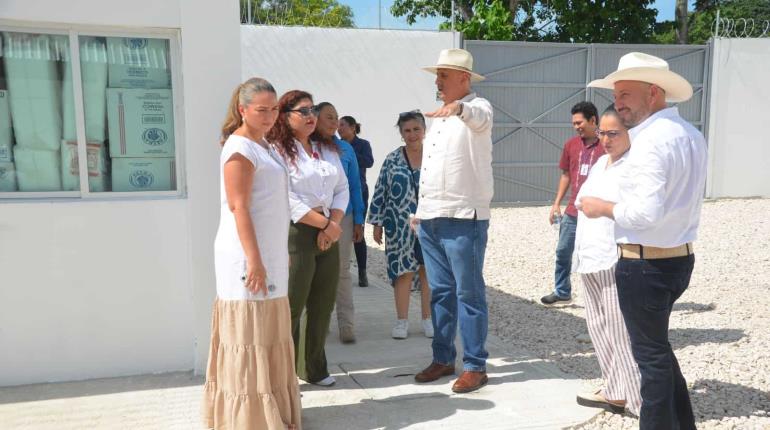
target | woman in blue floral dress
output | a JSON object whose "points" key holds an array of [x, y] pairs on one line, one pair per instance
{"points": [[394, 201]]}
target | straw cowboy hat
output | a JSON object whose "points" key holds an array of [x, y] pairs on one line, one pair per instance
{"points": [[636, 66], [456, 59]]}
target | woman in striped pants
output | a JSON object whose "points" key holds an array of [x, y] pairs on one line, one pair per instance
{"points": [[596, 253]]}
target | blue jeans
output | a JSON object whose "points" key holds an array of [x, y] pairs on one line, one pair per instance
{"points": [[647, 290], [453, 250], [564, 251]]}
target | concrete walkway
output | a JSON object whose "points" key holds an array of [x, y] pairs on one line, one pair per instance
{"points": [[375, 389]]}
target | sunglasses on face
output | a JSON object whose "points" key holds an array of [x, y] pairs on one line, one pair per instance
{"points": [[305, 111], [608, 133]]}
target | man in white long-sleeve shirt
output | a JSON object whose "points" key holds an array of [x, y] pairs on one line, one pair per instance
{"points": [[656, 222], [456, 188]]}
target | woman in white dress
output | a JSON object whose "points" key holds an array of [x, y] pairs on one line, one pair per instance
{"points": [[597, 253], [251, 381]]}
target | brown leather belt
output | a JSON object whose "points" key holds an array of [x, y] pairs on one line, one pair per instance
{"points": [[633, 251]]}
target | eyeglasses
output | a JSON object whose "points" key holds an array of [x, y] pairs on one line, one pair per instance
{"points": [[305, 111], [608, 133]]}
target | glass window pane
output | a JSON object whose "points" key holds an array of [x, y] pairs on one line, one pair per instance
{"points": [[129, 113], [34, 79]]}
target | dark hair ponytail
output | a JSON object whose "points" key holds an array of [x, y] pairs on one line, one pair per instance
{"points": [[350, 121]]}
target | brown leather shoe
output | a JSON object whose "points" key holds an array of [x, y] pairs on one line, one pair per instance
{"points": [[470, 381], [433, 372]]}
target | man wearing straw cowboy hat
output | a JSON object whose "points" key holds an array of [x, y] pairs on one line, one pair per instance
{"points": [[453, 217], [656, 222]]}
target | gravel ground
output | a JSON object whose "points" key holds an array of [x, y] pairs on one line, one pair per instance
{"points": [[719, 327]]}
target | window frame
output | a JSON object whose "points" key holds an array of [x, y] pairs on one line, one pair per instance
{"points": [[74, 32]]}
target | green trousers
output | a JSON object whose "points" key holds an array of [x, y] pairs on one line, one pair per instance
{"points": [[313, 277]]}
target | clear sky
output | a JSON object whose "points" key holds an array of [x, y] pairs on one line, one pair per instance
{"points": [[366, 16]]}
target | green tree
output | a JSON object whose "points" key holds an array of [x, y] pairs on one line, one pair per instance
{"points": [[311, 13], [489, 22], [700, 22], [602, 21], [550, 20], [522, 18]]}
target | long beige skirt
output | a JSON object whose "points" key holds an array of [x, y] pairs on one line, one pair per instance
{"points": [[251, 382]]}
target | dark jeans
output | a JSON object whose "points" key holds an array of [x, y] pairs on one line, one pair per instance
{"points": [[647, 290], [564, 251], [360, 247]]}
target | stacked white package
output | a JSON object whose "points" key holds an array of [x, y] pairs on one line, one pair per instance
{"points": [[6, 136], [3, 83], [7, 177], [93, 70], [37, 169], [138, 63], [143, 174], [98, 167], [31, 62], [141, 123]]}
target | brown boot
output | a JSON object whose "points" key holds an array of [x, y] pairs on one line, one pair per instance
{"points": [[433, 372], [470, 381]]}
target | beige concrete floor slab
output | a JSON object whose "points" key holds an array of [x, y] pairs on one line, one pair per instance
{"points": [[375, 389]]}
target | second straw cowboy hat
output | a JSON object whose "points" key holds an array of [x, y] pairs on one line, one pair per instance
{"points": [[636, 66], [456, 59]]}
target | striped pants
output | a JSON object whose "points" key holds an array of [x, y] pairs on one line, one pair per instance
{"points": [[610, 338]]}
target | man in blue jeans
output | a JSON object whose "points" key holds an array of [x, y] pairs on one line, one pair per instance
{"points": [[577, 157], [452, 219], [656, 221]]}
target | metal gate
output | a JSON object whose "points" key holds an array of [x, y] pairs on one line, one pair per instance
{"points": [[533, 86]]}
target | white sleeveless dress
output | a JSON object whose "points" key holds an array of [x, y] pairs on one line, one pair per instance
{"points": [[271, 217], [251, 382]]}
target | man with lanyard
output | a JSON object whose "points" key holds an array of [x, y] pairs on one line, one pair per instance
{"points": [[452, 220], [577, 157], [656, 221]]}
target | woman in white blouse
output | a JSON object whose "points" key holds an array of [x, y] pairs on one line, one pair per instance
{"points": [[597, 254], [250, 380], [318, 197]]}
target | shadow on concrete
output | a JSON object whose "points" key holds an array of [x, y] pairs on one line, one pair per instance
{"points": [[681, 337], [413, 409], [94, 387], [686, 308], [523, 325], [500, 370], [715, 400]]}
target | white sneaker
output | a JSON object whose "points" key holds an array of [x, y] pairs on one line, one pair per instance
{"points": [[326, 382], [427, 327], [400, 329]]}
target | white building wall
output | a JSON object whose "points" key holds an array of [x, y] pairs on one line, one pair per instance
{"points": [[372, 75], [739, 136], [110, 288]]}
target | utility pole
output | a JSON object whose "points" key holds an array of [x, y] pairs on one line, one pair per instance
{"points": [[454, 36]]}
